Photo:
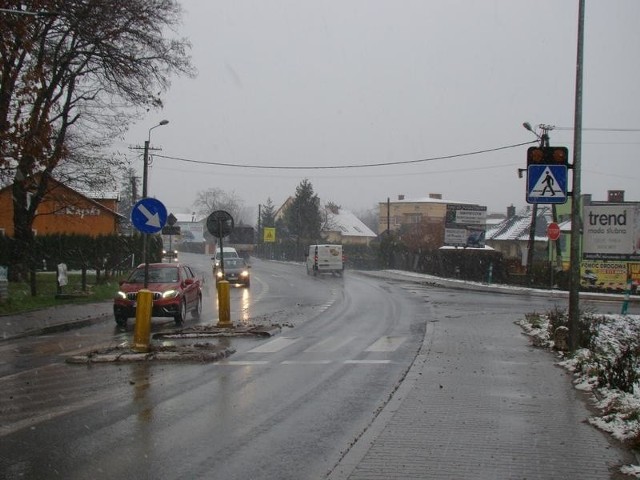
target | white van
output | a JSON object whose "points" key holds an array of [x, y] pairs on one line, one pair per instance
{"points": [[325, 259], [228, 252]]}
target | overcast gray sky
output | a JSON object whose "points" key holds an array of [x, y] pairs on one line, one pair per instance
{"points": [[350, 82]]}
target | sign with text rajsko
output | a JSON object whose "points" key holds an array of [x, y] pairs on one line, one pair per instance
{"points": [[465, 225], [611, 232], [149, 215], [220, 223]]}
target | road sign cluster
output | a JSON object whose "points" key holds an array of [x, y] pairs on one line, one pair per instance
{"points": [[547, 174]]}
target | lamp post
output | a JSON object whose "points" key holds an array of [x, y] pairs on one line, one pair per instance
{"points": [[145, 175]]}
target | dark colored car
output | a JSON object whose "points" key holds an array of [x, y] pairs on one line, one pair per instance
{"points": [[236, 271], [169, 256], [176, 291]]}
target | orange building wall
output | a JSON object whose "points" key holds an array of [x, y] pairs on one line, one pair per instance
{"points": [[68, 213]]}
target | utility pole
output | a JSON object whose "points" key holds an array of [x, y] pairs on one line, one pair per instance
{"points": [[576, 201], [145, 175]]}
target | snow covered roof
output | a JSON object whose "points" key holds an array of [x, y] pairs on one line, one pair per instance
{"points": [[518, 226], [348, 224], [101, 195], [186, 217]]}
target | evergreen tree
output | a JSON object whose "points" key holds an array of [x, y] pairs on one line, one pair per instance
{"points": [[303, 217], [268, 214]]}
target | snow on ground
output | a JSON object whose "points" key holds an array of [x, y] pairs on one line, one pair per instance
{"points": [[608, 367]]}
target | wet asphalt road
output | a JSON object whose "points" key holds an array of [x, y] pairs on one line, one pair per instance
{"points": [[285, 407]]}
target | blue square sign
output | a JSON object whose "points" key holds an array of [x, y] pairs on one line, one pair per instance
{"points": [[547, 184]]}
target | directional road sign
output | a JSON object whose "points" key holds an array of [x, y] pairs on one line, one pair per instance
{"points": [[149, 215], [220, 223], [547, 183]]}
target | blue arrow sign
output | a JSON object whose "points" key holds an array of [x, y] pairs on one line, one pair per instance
{"points": [[547, 184], [149, 215]]}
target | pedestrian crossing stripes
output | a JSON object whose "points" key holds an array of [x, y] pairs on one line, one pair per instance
{"points": [[386, 344], [274, 345], [329, 344]]}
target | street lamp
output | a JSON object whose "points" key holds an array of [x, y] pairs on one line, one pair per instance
{"points": [[145, 175]]}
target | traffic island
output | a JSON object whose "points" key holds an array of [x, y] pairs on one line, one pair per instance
{"points": [[178, 352], [197, 352], [204, 331]]}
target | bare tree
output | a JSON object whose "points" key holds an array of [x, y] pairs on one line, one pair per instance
{"points": [[208, 201], [74, 73]]}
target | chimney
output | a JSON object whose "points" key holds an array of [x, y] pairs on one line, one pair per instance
{"points": [[400, 197], [615, 196], [435, 196], [511, 211]]}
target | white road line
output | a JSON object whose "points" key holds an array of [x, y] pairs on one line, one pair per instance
{"points": [[242, 362], [386, 344], [275, 345], [306, 362], [330, 344], [367, 362]]}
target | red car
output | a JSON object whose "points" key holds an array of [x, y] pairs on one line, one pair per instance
{"points": [[176, 290]]}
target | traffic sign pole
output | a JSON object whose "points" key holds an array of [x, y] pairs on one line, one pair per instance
{"points": [[220, 224]]}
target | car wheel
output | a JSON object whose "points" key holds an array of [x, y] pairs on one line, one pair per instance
{"points": [[195, 313], [121, 321], [182, 313], [247, 283]]}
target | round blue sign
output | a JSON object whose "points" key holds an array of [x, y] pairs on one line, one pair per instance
{"points": [[149, 215]]}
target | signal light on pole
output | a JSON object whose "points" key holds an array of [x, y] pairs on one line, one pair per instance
{"points": [[547, 156]]}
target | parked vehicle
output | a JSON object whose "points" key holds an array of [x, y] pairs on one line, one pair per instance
{"points": [[176, 290], [236, 271], [325, 259]]}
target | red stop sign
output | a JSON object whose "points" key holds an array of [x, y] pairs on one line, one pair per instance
{"points": [[553, 231]]}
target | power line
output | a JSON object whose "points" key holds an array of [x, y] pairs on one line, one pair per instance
{"points": [[335, 167], [601, 129]]}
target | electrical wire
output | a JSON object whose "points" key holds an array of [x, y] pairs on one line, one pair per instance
{"points": [[335, 167]]}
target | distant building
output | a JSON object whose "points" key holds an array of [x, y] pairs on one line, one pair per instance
{"points": [[511, 236], [433, 221], [343, 227], [64, 210]]}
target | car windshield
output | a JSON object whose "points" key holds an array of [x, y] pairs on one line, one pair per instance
{"points": [[156, 275], [233, 262]]}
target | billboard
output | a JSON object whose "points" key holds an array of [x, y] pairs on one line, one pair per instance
{"points": [[465, 226], [611, 232]]}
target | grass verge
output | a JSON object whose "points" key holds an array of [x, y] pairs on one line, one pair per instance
{"points": [[20, 299]]}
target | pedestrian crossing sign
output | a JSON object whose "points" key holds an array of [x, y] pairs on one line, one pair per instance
{"points": [[547, 183], [269, 234]]}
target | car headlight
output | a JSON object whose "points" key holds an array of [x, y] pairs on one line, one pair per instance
{"points": [[244, 273], [170, 294], [121, 296], [219, 274]]}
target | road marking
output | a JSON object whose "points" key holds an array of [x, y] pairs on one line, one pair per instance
{"points": [[330, 344], [366, 362], [243, 362], [386, 344], [306, 362], [275, 345]]}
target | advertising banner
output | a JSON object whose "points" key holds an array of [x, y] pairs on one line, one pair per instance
{"points": [[465, 226], [599, 275], [611, 232]]}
